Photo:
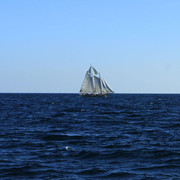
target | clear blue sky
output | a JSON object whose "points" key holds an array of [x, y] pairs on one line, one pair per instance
{"points": [[47, 46]]}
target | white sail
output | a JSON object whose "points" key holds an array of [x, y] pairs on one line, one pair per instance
{"points": [[92, 71], [95, 71], [87, 85], [108, 87], [93, 84], [104, 87], [97, 83]]}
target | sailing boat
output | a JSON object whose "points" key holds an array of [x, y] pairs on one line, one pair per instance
{"points": [[94, 85]]}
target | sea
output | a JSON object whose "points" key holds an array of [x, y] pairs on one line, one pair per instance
{"points": [[67, 136]]}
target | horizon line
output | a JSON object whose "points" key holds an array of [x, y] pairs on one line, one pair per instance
{"points": [[78, 93]]}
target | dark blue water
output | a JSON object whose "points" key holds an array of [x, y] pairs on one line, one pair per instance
{"points": [[65, 136]]}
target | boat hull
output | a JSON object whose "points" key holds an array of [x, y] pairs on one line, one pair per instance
{"points": [[93, 95]]}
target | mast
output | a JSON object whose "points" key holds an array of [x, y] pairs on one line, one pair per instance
{"points": [[101, 83], [92, 76]]}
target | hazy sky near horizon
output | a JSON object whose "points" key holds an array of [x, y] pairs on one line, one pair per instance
{"points": [[47, 46]]}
